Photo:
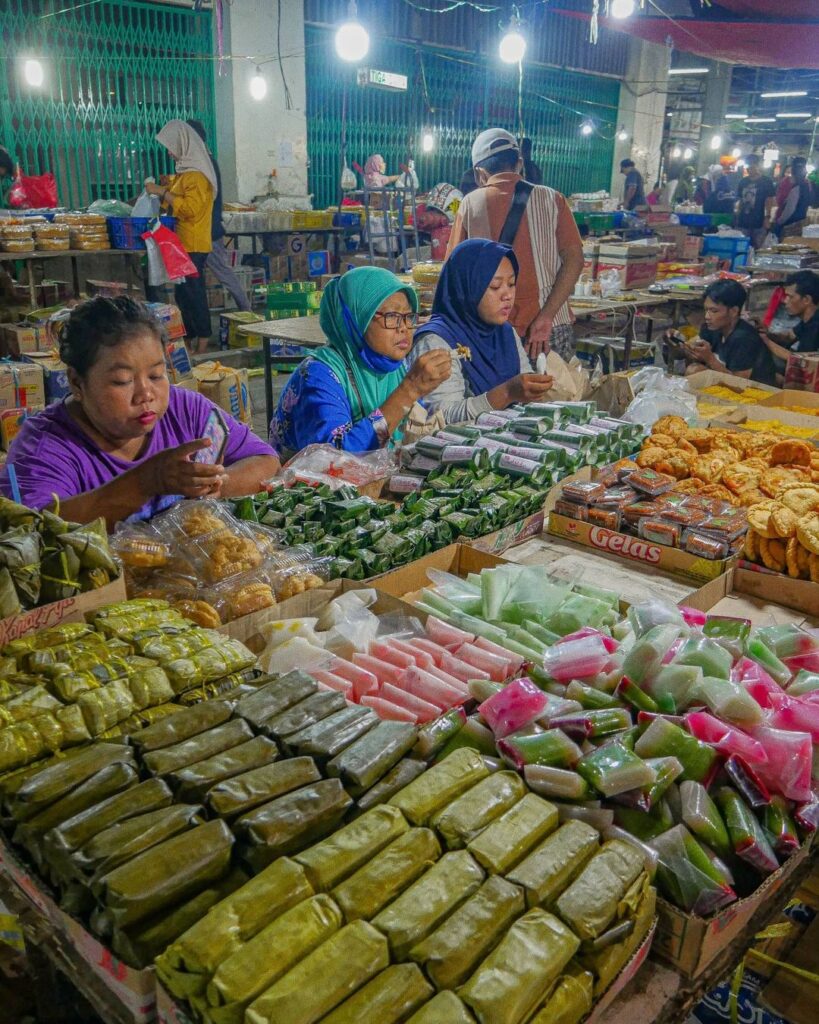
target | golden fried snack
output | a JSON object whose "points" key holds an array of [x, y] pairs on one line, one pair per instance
{"points": [[807, 530], [783, 522], [759, 518], [675, 426], [229, 555], [751, 497], [773, 554], [662, 441], [792, 558], [674, 465], [800, 498], [297, 583], [701, 439], [143, 553], [752, 546], [773, 480], [740, 477], [200, 612], [628, 464], [790, 453], [200, 521], [250, 598], [803, 557], [708, 468], [720, 492], [649, 457], [693, 485], [686, 448]]}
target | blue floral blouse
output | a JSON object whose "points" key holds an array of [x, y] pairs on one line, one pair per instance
{"points": [[314, 409]]}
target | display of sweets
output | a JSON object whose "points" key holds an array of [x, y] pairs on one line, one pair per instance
{"points": [[628, 499], [690, 735], [43, 558], [783, 532], [741, 467], [133, 663]]}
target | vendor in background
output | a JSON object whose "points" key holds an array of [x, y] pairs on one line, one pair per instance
{"points": [[728, 343], [802, 300], [686, 186], [794, 210], [470, 322], [756, 198], [6, 174], [356, 392], [531, 172], [655, 196], [126, 443], [375, 173], [634, 194], [189, 198]]}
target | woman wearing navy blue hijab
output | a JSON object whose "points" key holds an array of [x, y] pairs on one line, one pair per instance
{"points": [[470, 316]]}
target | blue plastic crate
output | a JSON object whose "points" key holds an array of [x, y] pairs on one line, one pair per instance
{"points": [[126, 232], [735, 250]]}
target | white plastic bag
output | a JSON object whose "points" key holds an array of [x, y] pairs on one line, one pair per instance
{"points": [[146, 206], [348, 179], [610, 283], [157, 274], [770, 241]]}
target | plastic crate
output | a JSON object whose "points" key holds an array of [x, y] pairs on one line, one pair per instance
{"points": [[126, 232], [734, 250]]}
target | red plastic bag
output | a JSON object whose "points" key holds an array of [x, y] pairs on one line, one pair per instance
{"points": [[33, 191], [177, 262]]}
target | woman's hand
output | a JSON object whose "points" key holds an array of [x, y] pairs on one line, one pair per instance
{"points": [[174, 472], [526, 387], [153, 189], [428, 371]]}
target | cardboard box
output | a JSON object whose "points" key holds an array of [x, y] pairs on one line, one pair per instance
{"points": [[22, 385], [775, 588], [636, 264], [674, 233], [20, 338], [745, 414], [71, 609], [319, 263], [169, 317], [782, 399], [29, 888], [673, 560], [709, 378], [458, 559], [55, 376], [113, 290], [225, 386], [591, 258], [794, 996], [802, 372], [230, 325], [178, 361], [689, 943], [509, 536], [167, 1010], [11, 420], [692, 247]]}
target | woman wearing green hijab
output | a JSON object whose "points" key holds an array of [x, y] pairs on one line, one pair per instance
{"points": [[356, 392]]}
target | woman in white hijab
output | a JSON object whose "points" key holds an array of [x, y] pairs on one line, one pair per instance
{"points": [[189, 198]]}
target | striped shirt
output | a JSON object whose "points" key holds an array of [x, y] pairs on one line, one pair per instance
{"points": [[547, 229]]}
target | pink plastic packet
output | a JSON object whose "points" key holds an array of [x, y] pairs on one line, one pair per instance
{"points": [[795, 715], [673, 651], [576, 659], [693, 616], [609, 641], [761, 686], [790, 761], [513, 707], [726, 739], [447, 636], [809, 662]]}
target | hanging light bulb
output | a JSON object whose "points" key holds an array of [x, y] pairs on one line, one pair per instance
{"points": [[352, 39], [428, 142], [676, 152], [688, 152], [716, 141], [258, 85], [33, 72], [622, 135], [736, 152], [810, 168], [512, 47], [621, 8], [586, 128]]}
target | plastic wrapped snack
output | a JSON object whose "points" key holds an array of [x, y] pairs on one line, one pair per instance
{"points": [[209, 664], [181, 726], [388, 998], [514, 834], [589, 905], [330, 736], [292, 822], [275, 697], [422, 907], [271, 953], [441, 784], [168, 873], [569, 1001], [241, 793], [446, 1006], [467, 816], [368, 759], [451, 953], [514, 979], [198, 748], [323, 979], [555, 863], [193, 782]]}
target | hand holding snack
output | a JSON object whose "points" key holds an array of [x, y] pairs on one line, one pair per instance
{"points": [[174, 472]]}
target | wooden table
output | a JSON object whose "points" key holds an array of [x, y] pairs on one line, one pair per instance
{"points": [[304, 330], [36, 256]]}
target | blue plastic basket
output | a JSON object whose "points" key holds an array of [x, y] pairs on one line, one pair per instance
{"points": [[126, 232], [735, 250]]}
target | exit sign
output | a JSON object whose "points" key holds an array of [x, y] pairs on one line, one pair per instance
{"points": [[382, 79]]}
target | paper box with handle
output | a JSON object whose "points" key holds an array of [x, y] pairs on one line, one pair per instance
{"points": [[55, 376], [226, 387], [11, 420], [21, 385]]}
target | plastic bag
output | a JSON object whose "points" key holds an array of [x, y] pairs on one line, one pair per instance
{"points": [[145, 206], [157, 274], [325, 464], [113, 208], [770, 241], [610, 283], [33, 192], [178, 263], [348, 179], [658, 395]]}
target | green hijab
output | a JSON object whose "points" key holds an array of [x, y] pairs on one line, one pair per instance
{"points": [[347, 307]]}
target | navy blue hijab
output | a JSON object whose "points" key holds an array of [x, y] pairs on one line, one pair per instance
{"points": [[464, 279]]}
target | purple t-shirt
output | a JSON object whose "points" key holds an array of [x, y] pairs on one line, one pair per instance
{"points": [[52, 454]]}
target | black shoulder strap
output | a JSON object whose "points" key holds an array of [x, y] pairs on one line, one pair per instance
{"points": [[523, 190]]}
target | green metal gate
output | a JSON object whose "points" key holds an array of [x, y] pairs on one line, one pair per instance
{"points": [[115, 72], [454, 96]]}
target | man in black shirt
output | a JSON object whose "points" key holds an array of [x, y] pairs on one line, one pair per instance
{"points": [[802, 300], [756, 198], [635, 193], [795, 208], [728, 343]]}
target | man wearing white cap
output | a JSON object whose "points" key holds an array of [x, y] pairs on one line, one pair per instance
{"points": [[537, 222]]}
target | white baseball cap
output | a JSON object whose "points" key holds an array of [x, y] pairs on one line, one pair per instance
{"points": [[490, 142]]}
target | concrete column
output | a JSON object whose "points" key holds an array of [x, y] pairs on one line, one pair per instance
{"points": [[643, 96], [717, 94], [256, 137]]}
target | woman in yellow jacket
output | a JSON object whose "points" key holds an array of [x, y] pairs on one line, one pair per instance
{"points": [[189, 198]]}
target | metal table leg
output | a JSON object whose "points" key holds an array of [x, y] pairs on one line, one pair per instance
{"points": [[268, 380]]}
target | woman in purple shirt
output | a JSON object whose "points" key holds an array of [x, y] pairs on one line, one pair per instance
{"points": [[123, 445]]}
